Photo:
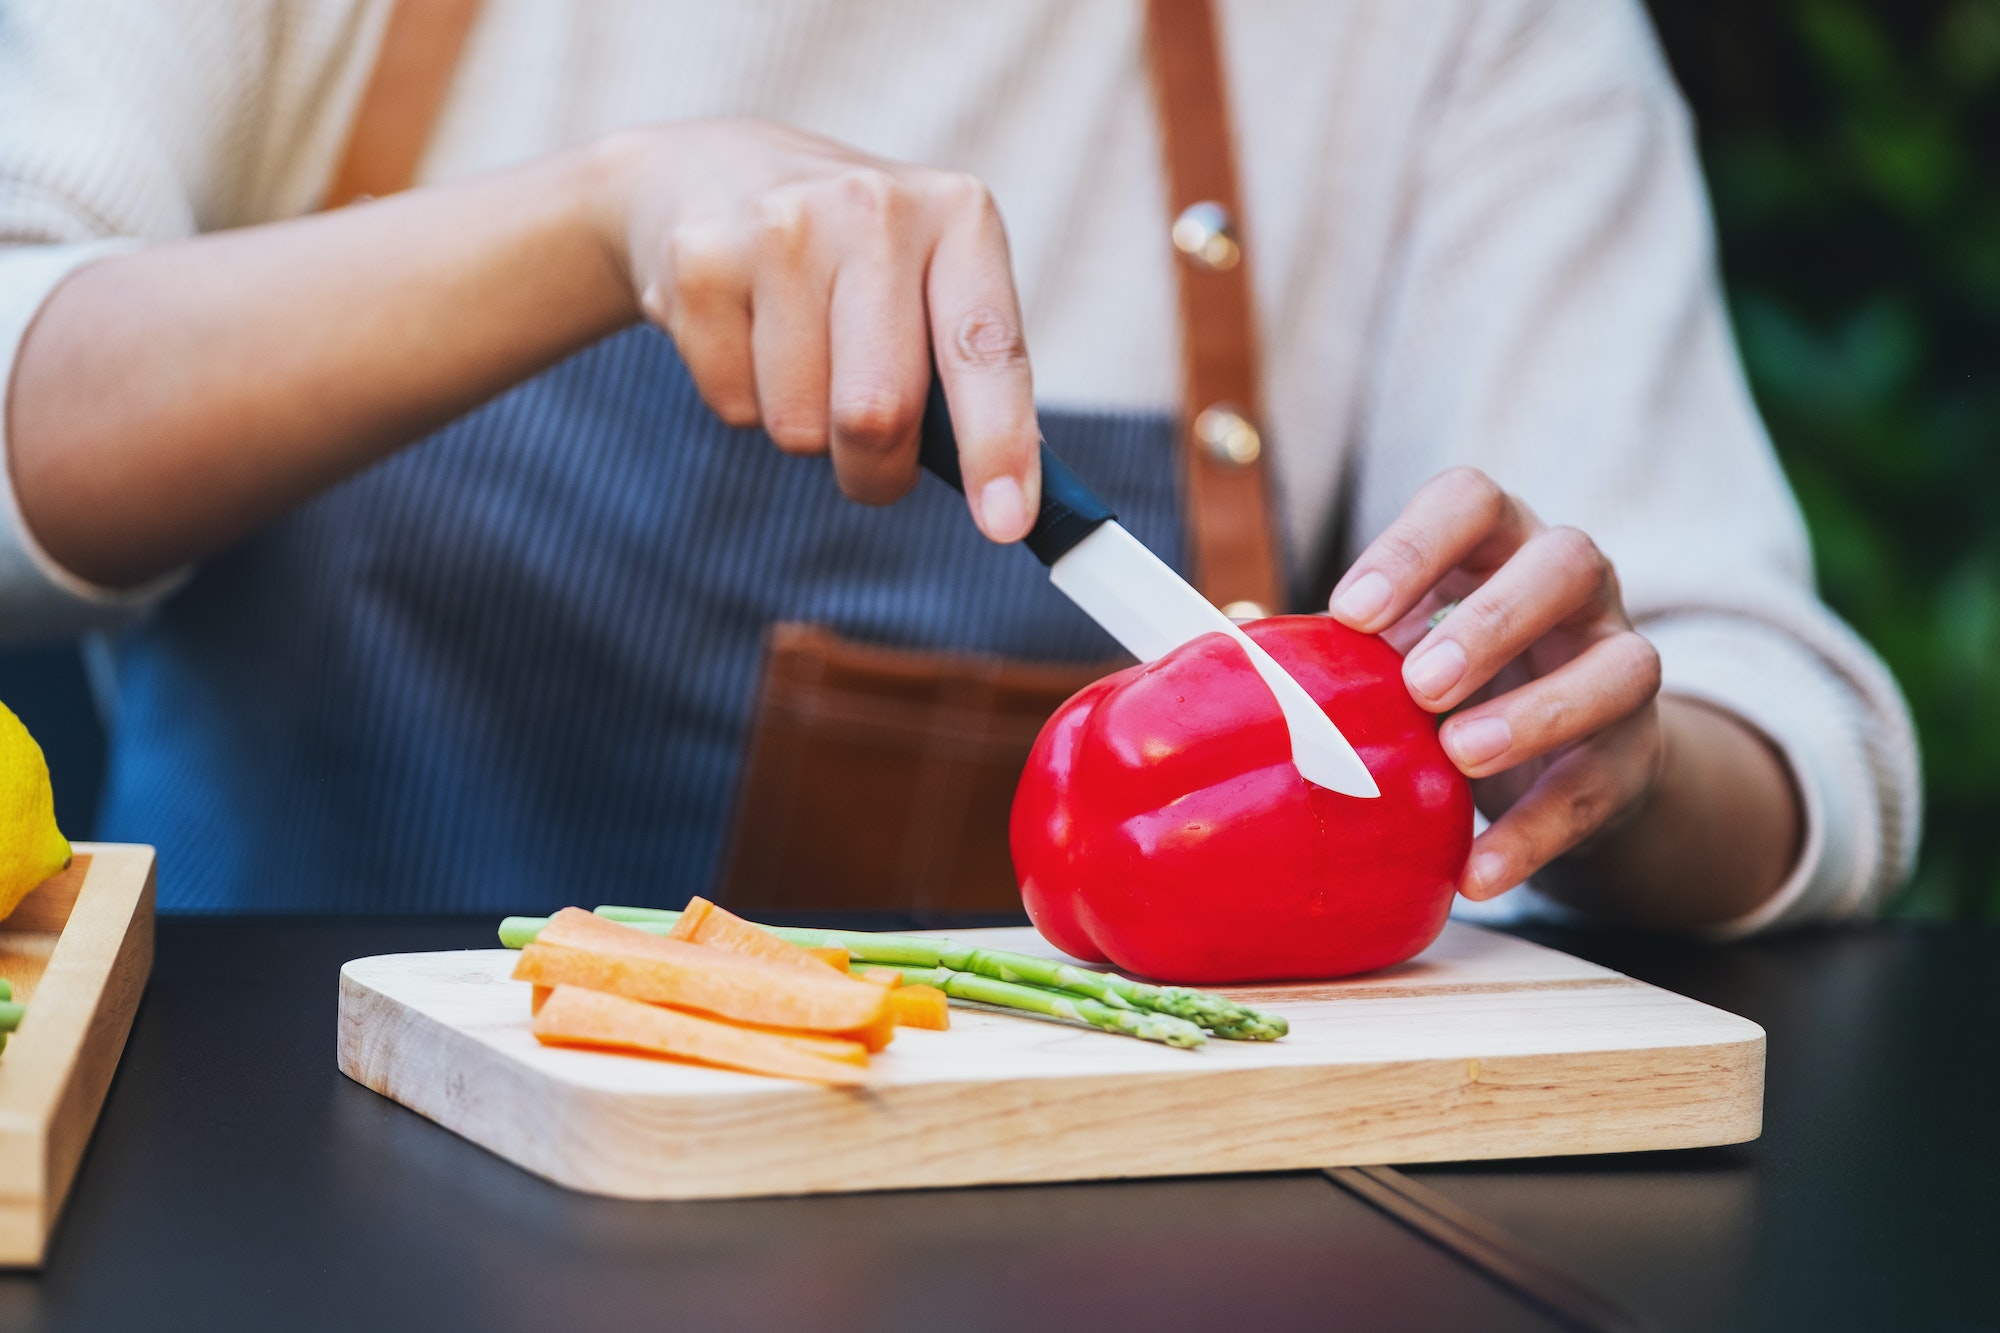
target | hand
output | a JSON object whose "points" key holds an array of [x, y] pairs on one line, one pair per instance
{"points": [[1562, 738], [809, 287]]}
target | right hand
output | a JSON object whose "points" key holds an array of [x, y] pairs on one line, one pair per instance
{"points": [[809, 288]]}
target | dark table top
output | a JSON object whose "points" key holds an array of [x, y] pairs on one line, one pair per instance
{"points": [[238, 1181]]}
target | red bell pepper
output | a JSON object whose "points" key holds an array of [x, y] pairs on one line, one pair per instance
{"points": [[1160, 825]]}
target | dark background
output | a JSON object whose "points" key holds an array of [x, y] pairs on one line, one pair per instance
{"points": [[1853, 151]]}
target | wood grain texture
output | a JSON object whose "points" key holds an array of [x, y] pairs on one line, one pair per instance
{"points": [[1486, 1046], [77, 950]]}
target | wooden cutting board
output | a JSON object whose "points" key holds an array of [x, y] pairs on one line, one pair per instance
{"points": [[1484, 1046]]}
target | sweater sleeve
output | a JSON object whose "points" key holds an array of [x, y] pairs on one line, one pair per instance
{"points": [[1555, 319], [124, 122]]}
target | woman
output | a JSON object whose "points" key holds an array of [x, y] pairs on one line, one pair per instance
{"points": [[517, 661]]}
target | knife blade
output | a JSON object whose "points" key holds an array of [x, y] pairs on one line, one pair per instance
{"points": [[1141, 602]]}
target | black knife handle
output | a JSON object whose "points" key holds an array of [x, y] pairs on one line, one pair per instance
{"points": [[1069, 511]]}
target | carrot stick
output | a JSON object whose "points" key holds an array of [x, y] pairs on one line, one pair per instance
{"points": [[705, 923], [573, 1016], [748, 990], [878, 1034], [576, 948], [921, 1007], [832, 957], [831, 1045], [690, 920]]}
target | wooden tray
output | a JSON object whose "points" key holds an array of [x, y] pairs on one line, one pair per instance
{"points": [[1485, 1046], [77, 951]]}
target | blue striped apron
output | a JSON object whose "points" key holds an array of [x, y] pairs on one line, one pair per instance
{"points": [[513, 666]]}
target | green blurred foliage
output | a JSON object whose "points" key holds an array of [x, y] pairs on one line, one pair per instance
{"points": [[1853, 152]]}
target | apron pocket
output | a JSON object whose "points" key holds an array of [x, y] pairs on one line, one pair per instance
{"points": [[880, 779]]}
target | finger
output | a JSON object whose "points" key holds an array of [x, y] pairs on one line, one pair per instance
{"points": [[982, 357], [1459, 517], [879, 343], [1615, 677], [1553, 578], [788, 331], [1580, 794], [702, 300]]}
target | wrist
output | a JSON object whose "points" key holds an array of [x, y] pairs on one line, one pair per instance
{"points": [[607, 173], [1717, 835]]}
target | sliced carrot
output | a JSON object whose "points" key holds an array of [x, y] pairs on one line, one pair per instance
{"points": [[705, 923], [921, 1007], [580, 929], [748, 990], [539, 998], [833, 956], [832, 1046], [690, 920], [573, 1016], [878, 1034], [579, 949]]}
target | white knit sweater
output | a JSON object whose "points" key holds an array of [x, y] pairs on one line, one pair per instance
{"points": [[1476, 232]]}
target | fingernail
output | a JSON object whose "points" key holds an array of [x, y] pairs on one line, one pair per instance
{"points": [[1476, 740], [1003, 510], [1366, 598], [1484, 877], [1435, 670]]}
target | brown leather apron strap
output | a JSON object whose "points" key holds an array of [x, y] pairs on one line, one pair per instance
{"points": [[1232, 549], [400, 105]]}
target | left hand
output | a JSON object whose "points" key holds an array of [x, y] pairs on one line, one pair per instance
{"points": [[1562, 738]]}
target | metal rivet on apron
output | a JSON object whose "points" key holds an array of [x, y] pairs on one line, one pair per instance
{"points": [[1228, 435], [1245, 611], [1204, 233]]}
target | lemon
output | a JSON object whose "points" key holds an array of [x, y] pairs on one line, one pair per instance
{"points": [[31, 847]]}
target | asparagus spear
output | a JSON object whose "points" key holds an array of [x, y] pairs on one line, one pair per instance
{"points": [[1035, 1000], [518, 932], [1219, 1014], [10, 1015]]}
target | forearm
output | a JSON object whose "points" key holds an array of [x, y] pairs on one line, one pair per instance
{"points": [[1719, 834], [167, 402]]}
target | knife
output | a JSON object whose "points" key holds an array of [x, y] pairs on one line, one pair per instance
{"points": [[1140, 601]]}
